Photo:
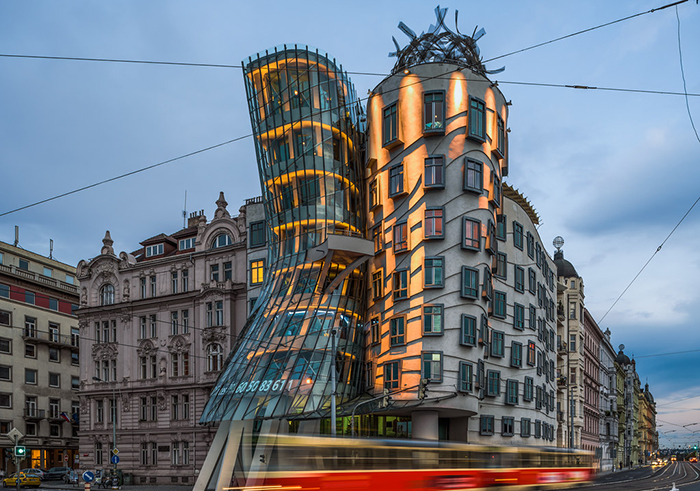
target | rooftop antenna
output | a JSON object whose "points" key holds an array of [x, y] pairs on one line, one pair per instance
{"points": [[50, 248], [184, 212], [16, 235]]}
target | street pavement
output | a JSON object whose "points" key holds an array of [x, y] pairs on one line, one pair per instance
{"points": [[58, 485]]}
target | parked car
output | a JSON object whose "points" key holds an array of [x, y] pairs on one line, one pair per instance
{"points": [[56, 473], [25, 480], [35, 471]]}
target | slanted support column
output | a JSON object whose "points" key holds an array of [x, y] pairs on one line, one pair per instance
{"points": [[425, 425]]}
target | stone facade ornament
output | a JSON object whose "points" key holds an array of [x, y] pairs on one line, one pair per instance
{"points": [[107, 244], [221, 211]]}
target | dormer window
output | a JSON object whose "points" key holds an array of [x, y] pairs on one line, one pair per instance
{"points": [[154, 250], [186, 243], [222, 240]]}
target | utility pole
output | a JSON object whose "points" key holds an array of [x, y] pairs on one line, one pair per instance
{"points": [[18, 452], [333, 381]]}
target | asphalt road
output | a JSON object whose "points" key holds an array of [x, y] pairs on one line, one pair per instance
{"points": [[684, 475]]}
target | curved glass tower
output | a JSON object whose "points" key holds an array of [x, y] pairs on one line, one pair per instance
{"points": [[306, 125]]}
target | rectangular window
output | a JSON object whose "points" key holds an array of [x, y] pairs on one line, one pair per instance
{"points": [[174, 324], [518, 235], [507, 425], [519, 279], [433, 223], [53, 304], [400, 284], [518, 317], [477, 119], [5, 318], [257, 233], [500, 136], [369, 374], [185, 280], [485, 425], [228, 271], [174, 281], [516, 354], [30, 351], [153, 286], [214, 272], [528, 389], [154, 326], [432, 319], [487, 287], [530, 245], [5, 373], [6, 346], [24, 264], [400, 237], [525, 427], [257, 271], [185, 244], [4, 291], [219, 311], [142, 282], [531, 353], [390, 120], [470, 282], [433, 112], [397, 327], [378, 284], [496, 194], [29, 297], [501, 227], [392, 375], [99, 411], [154, 250], [375, 330], [374, 194], [431, 368], [466, 374], [30, 327], [434, 172], [30, 376], [471, 233], [493, 383], [473, 176], [499, 305], [501, 265], [434, 268], [396, 184], [468, 330], [54, 379], [497, 342], [377, 239], [512, 392], [54, 355], [185, 321]]}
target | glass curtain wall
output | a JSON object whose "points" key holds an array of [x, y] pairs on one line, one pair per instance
{"points": [[306, 124]]}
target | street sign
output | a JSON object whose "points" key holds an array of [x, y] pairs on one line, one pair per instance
{"points": [[14, 434], [65, 458], [88, 476], [115, 451], [115, 459]]}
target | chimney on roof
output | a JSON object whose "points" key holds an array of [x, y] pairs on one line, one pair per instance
{"points": [[193, 220]]}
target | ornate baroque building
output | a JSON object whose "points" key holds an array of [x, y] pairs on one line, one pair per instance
{"points": [[156, 325], [39, 358]]}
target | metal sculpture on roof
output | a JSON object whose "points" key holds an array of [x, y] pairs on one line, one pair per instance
{"points": [[440, 44]]}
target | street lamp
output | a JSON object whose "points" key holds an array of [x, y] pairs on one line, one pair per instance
{"points": [[113, 413]]}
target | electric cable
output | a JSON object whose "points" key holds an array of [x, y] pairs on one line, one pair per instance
{"points": [[685, 88]]}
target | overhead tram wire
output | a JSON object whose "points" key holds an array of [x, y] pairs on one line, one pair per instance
{"points": [[685, 88]]}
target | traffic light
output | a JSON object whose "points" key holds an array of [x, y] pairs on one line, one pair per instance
{"points": [[20, 451], [384, 402], [423, 388]]}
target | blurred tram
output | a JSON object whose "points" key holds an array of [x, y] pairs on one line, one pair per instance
{"points": [[323, 463]]}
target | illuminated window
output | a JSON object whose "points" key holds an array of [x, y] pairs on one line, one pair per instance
{"points": [[377, 284], [257, 271], [477, 119], [400, 237], [485, 425], [431, 368], [434, 172], [518, 317], [390, 118], [531, 353], [468, 330], [392, 375], [470, 282], [473, 176], [432, 319], [434, 112], [466, 374], [257, 234], [433, 223], [400, 284], [396, 184], [377, 239], [107, 294], [516, 354], [471, 233], [433, 276], [397, 329], [518, 235]]}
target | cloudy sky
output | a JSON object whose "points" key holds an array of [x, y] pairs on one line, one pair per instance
{"points": [[613, 172]]}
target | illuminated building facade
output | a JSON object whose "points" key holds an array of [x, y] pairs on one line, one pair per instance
{"points": [[461, 288], [306, 325]]}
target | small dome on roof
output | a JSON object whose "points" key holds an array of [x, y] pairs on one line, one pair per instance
{"points": [[564, 267], [622, 358]]}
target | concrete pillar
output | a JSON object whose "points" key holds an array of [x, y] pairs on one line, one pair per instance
{"points": [[459, 428], [425, 425]]}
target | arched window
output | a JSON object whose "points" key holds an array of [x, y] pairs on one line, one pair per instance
{"points": [[107, 294], [215, 357], [221, 240]]}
